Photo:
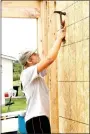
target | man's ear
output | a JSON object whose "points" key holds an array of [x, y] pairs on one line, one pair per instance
{"points": [[29, 62]]}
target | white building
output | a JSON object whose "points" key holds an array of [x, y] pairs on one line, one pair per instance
{"points": [[7, 72]]}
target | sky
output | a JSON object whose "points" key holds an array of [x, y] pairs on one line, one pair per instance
{"points": [[18, 35]]}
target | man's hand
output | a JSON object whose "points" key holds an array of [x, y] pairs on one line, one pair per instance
{"points": [[62, 32]]}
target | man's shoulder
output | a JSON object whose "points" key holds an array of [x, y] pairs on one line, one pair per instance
{"points": [[28, 70]]}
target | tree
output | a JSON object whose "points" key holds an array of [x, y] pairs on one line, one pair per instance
{"points": [[17, 68]]}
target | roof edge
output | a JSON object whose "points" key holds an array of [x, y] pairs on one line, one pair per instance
{"points": [[8, 57]]}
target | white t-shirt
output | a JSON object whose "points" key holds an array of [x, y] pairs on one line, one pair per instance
{"points": [[36, 92]]}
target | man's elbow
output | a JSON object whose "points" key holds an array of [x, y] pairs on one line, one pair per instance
{"points": [[50, 61]]}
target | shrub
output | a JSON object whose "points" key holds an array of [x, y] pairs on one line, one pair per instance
{"points": [[16, 76]]}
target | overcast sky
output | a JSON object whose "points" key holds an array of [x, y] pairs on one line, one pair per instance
{"points": [[17, 35]]}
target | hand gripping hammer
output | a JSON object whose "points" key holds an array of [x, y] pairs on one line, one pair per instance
{"points": [[61, 13]]}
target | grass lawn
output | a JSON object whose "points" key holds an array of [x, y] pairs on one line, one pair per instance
{"points": [[19, 104]]}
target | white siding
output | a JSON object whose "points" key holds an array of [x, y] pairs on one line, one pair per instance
{"points": [[7, 74]]}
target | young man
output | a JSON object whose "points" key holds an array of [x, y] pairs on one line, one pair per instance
{"points": [[35, 89]]}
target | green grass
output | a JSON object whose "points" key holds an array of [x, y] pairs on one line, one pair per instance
{"points": [[19, 104], [16, 83]]}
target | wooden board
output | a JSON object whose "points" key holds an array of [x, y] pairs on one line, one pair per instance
{"points": [[21, 9]]}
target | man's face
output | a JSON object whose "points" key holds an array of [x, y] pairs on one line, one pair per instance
{"points": [[34, 58]]}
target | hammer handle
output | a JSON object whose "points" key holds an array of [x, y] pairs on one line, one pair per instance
{"points": [[64, 41]]}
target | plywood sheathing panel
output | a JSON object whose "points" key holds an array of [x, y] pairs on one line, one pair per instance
{"points": [[70, 126]]}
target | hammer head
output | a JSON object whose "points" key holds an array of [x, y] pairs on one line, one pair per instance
{"points": [[62, 13]]}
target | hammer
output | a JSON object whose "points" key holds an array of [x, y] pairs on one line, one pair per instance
{"points": [[61, 13]]}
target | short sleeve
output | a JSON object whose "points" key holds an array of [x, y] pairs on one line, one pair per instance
{"points": [[43, 73], [30, 74], [35, 74]]}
